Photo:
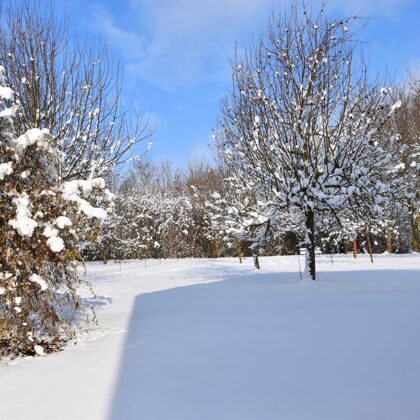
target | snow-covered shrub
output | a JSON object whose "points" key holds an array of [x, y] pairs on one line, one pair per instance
{"points": [[144, 225], [40, 220], [237, 219], [159, 212]]}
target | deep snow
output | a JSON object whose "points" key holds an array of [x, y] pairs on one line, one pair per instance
{"points": [[212, 339]]}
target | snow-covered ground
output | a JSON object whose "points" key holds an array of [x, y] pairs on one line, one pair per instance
{"points": [[212, 339]]}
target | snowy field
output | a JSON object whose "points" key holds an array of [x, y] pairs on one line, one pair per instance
{"points": [[212, 339]]}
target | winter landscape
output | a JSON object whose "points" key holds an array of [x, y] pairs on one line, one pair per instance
{"points": [[209, 210], [210, 339]]}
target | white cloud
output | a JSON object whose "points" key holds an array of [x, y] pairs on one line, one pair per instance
{"points": [[186, 42], [129, 44]]}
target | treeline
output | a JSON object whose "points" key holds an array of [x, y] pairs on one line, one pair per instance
{"points": [[311, 153], [160, 211]]}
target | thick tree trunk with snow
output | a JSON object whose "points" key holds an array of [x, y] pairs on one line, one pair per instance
{"points": [[310, 245]]}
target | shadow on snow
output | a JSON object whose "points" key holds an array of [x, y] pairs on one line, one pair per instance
{"points": [[263, 346]]}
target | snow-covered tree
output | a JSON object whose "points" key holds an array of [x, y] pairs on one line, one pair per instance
{"points": [[148, 226], [69, 86], [160, 212], [303, 128], [40, 220], [238, 219], [408, 125]]}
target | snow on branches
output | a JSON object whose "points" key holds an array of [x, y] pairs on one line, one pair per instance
{"points": [[303, 126], [407, 123], [148, 226], [40, 222], [238, 218], [70, 87]]}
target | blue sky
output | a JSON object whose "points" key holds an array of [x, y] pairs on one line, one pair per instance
{"points": [[175, 53]]}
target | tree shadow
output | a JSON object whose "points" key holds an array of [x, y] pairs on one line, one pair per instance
{"points": [[97, 301], [267, 346]]}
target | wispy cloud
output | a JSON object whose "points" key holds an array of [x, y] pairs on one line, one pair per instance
{"points": [[128, 43], [186, 42]]}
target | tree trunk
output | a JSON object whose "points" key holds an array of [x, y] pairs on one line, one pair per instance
{"points": [[415, 221], [355, 248], [239, 250], [310, 245], [389, 238], [214, 248], [368, 243], [280, 246], [105, 254], [256, 261]]}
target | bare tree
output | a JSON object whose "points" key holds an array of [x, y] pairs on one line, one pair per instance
{"points": [[70, 86], [303, 125]]}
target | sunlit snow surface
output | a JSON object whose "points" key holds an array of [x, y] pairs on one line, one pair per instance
{"points": [[212, 339]]}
